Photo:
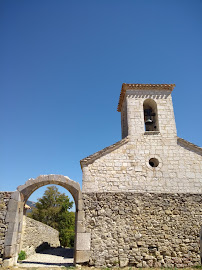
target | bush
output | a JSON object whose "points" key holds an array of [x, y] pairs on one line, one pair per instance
{"points": [[22, 255], [67, 238]]}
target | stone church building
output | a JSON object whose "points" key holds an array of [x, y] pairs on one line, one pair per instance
{"points": [[141, 200], [143, 195]]}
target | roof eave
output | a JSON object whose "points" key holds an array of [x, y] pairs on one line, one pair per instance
{"points": [[126, 86], [90, 159], [197, 149]]}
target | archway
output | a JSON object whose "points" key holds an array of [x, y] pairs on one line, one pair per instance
{"points": [[15, 217]]}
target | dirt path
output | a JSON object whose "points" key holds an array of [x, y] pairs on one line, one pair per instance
{"points": [[53, 257]]}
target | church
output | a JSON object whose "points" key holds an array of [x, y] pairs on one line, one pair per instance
{"points": [[143, 195]]}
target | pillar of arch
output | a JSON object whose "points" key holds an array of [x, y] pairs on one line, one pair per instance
{"points": [[15, 217]]}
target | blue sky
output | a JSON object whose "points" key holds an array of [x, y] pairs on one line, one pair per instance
{"points": [[62, 66]]}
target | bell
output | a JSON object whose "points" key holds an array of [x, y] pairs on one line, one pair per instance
{"points": [[148, 117], [148, 121]]}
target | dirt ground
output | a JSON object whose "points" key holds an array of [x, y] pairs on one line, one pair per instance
{"points": [[93, 268]]}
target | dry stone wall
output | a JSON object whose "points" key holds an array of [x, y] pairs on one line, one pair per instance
{"points": [[36, 233], [4, 199], [143, 230]]}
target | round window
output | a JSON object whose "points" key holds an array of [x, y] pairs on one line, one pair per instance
{"points": [[153, 162]]}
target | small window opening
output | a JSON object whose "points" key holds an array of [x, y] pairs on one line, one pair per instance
{"points": [[150, 115], [153, 162]]}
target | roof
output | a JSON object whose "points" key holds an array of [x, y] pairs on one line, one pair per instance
{"points": [[189, 145], [102, 152], [126, 86]]}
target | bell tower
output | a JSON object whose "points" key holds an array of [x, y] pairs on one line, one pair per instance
{"points": [[147, 109]]}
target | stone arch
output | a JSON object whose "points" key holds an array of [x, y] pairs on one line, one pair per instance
{"points": [[33, 184], [15, 217]]}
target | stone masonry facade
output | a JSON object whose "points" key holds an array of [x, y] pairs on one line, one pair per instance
{"points": [[127, 168], [35, 234], [4, 199], [124, 166], [142, 195], [143, 229]]}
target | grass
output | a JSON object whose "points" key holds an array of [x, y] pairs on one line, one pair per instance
{"points": [[22, 255]]}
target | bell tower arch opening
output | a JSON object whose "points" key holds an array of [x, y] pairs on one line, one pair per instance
{"points": [[150, 115], [16, 209]]}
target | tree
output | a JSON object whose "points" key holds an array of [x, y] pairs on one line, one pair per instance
{"points": [[53, 209]]}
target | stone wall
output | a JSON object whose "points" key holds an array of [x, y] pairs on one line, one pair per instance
{"points": [[134, 100], [4, 199], [144, 230], [124, 166], [35, 234]]}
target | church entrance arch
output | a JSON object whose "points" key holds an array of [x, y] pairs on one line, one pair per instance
{"points": [[15, 217]]}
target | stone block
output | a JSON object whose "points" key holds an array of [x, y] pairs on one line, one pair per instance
{"points": [[80, 205], [8, 262], [9, 251], [10, 239], [12, 227], [82, 256], [123, 262], [83, 241], [30, 182], [79, 194], [11, 216], [80, 227], [16, 196], [20, 226], [21, 187], [80, 215], [13, 205]]}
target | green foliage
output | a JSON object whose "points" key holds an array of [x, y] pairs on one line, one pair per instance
{"points": [[67, 238], [53, 209], [22, 255], [67, 220]]}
